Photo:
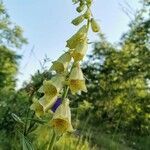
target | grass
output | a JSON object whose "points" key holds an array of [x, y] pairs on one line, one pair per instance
{"points": [[105, 142], [140, 142]]}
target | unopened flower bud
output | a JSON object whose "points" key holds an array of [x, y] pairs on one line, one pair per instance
{"points": [[89, 2], [77, 20], [94, 25], [80, 8], [87, 14]]}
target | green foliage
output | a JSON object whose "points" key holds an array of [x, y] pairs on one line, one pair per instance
{"points": [[27, 145], [106, 142], [10, 101], [10, 34], [8, 65], [118, 78], [70, 143], [42, 137], [139, 142]]}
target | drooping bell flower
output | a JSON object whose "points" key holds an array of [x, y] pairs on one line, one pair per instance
{"points": [[80, 8], [80, 50], [52, 87], [78, 37], [61, 120], [62, 63], [37, 107], [76, 80], [56, 104], [47, 102]]}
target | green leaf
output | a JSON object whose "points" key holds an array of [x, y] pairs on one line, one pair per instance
{"points": [[26, 144], [37, 120], [16, 118]]}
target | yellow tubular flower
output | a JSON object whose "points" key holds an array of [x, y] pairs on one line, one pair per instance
{"points": [[61, 120], [78, 37], [47, 102], [62, 63], [52, 87], [76, 80], [51, 90], [37, 107], [80, 51]]}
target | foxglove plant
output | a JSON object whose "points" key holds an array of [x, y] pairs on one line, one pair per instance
{"points": [[69, 75]]}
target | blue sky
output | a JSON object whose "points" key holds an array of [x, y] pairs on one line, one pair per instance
{"points": [[47, 26]]}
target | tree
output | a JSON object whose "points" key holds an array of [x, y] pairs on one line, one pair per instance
{"points": [[11, 38], [118, 78]]}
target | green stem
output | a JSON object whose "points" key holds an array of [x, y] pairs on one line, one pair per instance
{"points": [[88, 24], [26, 122], [65, 92], [66, 88], [83, 128], [52, 142]]}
